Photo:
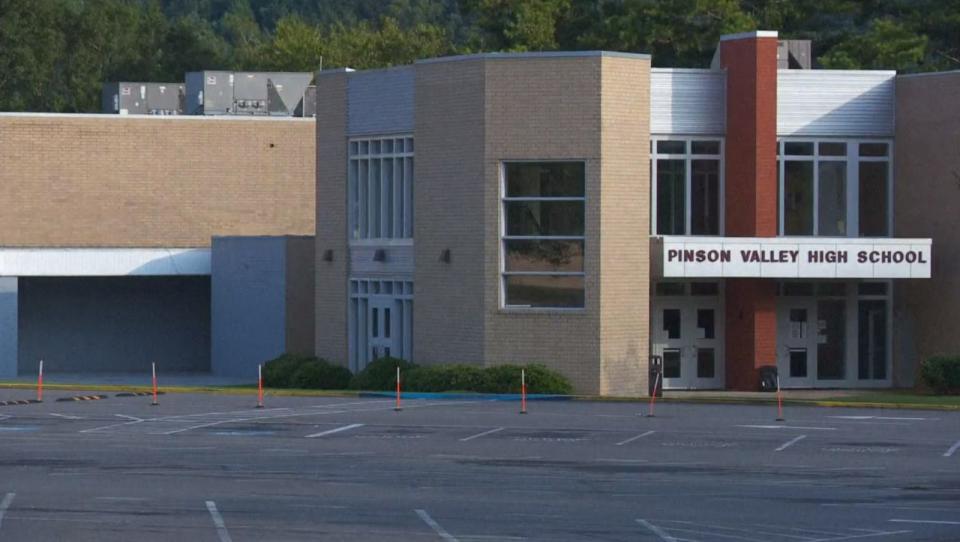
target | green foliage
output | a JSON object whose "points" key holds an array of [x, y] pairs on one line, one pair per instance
{"points": [[321, 375], [380, 375], [55, 54], [506, 379], [942, 374], [436, 378], [307, 372]]}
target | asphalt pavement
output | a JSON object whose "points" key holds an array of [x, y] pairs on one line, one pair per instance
{"points": [[211, 467]]}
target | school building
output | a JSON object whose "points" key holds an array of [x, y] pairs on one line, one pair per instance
{"points": [[577, 209]]}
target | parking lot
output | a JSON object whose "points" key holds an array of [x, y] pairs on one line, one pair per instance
{"points": [[212, 467]]}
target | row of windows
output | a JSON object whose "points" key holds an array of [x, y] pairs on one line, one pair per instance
{"points": [[380, 188]]}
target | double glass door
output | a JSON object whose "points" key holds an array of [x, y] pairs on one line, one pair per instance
{"points": [[688, 335]]}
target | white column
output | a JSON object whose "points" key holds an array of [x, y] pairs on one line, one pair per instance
{"points": [[8, 327]]}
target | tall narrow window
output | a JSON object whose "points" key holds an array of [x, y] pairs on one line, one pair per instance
{"points": [[798, 198], [380, 188], [543, 237], [687, 186], [874, 190]]}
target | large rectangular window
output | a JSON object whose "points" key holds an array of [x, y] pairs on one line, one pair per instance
{"points": [[380, 188], [543, 234], [834, 188], [686, 176]]}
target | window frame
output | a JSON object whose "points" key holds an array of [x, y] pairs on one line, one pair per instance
{"points": [[688, 156], [852, 188], [504, 237], [402, 214]]}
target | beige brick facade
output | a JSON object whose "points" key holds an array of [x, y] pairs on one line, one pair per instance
{"points": [[112, 181], [331, 171], [926, 199]]}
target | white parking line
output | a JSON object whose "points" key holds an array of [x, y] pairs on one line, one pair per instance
{"points": [[437, 528], [657, 531], [892, 418], [952, 449], [789, 427], [930, 521], [5, 504], [65, 416], [124, 416], [485, 433], [855, 536], [218, 522], [337, 430], [631, 439], [790, 443]]}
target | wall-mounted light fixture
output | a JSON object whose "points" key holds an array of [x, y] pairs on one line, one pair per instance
{"points": [[380, 255], [445, 255], [328, 255]]}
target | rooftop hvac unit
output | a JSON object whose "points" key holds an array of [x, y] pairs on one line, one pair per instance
{"points": [[794, 55], [308, 107], [250, 93], [209, 93], [285, 92], [165, 98], [124, 98]]}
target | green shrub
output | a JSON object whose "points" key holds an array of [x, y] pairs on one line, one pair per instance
{"points": [[278, 373], [445, 378], [942, 374], [381, 374], [319, 374], [506, 379]]}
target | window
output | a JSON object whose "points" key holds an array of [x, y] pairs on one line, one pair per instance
{"points": [[686, 178], [543, 234], [380, 183], [834, 188]]}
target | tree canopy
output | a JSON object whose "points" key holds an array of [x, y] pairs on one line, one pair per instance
{"points": [[55, 54]]}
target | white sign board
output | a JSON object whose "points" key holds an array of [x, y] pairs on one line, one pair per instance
{"points": [[793, 257]]}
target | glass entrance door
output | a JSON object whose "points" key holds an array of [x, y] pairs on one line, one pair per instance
{"points": [[797, 346], [688, 334]]}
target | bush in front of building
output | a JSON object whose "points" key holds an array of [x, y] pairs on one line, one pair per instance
{"points": [[435, 378], [319, 374], [942, 374], [306, 372], [540, 379], [381, 374]]}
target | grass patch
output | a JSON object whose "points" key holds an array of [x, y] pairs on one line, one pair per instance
{"points": [[899, 398]]}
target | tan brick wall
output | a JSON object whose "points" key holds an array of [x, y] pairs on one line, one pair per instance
{"points": [[331, 194], [544, 109], [625, 223], [449, 203], [90, 180], [926, 199]]}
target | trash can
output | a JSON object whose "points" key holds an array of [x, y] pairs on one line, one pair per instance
{"points": [[656, 376], [768, 378]]}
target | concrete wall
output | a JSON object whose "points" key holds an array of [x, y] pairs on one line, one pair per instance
{"points": [[330, 340], [114, 324], [112, 180], [926, 200], [8, 327], [248, 303]]}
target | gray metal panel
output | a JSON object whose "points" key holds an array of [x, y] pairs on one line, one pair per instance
{"points": [[686, 101], [163, 98], [248, 300], [288, 89], [308, 107], [250, 93], [835, 103], [209, 92], [125, 98], [114, 324], [380, 101], [8, 327], [110, 98], [398, 260]]}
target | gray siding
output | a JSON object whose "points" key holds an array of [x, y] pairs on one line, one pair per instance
{"points": [[380, 101], [684, 101], [835, 103], [398, 261], [8, 327], [248, 301], [114, 324]]}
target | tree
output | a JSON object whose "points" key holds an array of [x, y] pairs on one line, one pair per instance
{"points": [[887, 44]]}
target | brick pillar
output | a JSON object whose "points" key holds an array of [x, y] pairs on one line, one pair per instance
{"points": [[750, 159]]}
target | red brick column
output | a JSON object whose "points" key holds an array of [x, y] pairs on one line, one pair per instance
{"points": [[750, 159]]}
